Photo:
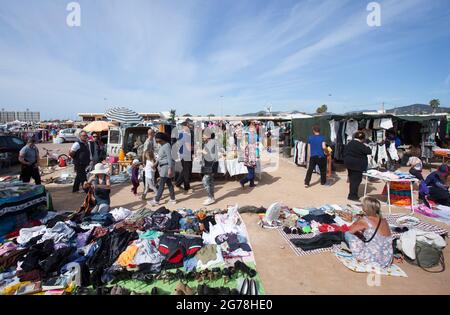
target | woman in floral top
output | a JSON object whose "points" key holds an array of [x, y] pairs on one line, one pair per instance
{"points": [[250, 155], [377, 250]]}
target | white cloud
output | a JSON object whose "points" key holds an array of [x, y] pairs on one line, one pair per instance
{"points": [[155, 55]]}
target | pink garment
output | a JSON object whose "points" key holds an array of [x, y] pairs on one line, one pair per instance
{"points": [[422, 209]]}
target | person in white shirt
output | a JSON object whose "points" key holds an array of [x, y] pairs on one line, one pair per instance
{"points": [[150, 170], [210, 164]]}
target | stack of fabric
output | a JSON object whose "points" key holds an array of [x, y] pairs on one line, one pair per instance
{"points": [[126, 252]]}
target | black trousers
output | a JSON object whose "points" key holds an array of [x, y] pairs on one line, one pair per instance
{"points": [[441, 196], [322, 162], [185, 175], [355, 179], [80, 177], [416, 173], [28, 172]]}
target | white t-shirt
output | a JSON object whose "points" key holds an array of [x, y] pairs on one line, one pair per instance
{"points": [[415, 162], [75, 147], [149, 171], [351, 128], [185, 146]]}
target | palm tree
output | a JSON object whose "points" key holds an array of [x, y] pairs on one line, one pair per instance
{"points": [[322, 109], [434, 103], [173, 114]]}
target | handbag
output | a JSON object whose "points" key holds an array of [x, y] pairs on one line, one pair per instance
{"points": [[427, 256]]}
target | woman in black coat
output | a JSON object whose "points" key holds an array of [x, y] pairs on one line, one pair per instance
{"points": [[355, 160]]}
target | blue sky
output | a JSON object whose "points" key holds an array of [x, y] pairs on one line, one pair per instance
{"points": [[156, 55]]}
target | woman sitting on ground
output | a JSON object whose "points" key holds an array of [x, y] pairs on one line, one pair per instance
{"points": [[437, 185], [101, 185], [369, 238]]}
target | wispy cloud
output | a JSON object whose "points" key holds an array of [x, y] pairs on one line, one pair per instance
{"points": [[156, 55]]}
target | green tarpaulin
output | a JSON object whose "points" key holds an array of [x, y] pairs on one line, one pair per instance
{"points": [[301, 127]]}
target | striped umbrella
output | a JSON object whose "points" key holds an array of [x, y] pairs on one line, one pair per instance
{"points": [[123, 115]]}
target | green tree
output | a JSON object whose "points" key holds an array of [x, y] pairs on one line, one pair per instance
{"points": [[173, 114], [322, 109], [187, 115], [434, 103]]}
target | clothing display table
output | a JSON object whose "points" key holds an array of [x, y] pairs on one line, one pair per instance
{"points": [[16, 196], [442, 153], [233, 167], [388, 182]]}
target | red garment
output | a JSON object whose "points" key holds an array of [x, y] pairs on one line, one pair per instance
{"points": [[323, 228], [29, 224]]}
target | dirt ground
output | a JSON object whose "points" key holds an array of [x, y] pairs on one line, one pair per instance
{"points": [[283, 272]]}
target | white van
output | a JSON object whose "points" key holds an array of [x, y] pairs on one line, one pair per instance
{"points": [[125, 138]]}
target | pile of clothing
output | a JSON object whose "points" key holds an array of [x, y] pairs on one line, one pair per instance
{"points": [[318, 227], [62, 253]]}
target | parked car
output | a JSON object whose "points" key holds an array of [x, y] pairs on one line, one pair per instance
{"points": [[10, 147], [68, 135]]}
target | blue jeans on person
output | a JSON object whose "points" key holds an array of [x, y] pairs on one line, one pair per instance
{"points": [[208, 183], [250, 177], [162, 182]]}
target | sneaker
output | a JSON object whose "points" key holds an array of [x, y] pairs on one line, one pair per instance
{"points": [[153, 203], [306, 186], [172, 201], [209, 201]]}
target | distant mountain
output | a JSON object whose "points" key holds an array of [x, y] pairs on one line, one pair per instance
{"points": [[417, 109]]}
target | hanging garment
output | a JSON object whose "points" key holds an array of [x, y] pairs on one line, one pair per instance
{"points": [[351, 128], [381, 154], [380, 136], [339, 147], [334, 128], [392, 150], [371, 160], [302, 155], [344, 138], [386, 123], [376, 123], [296, 151]]}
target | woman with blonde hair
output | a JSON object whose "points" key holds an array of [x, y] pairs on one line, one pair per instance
{"points": [[369, 238]]}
